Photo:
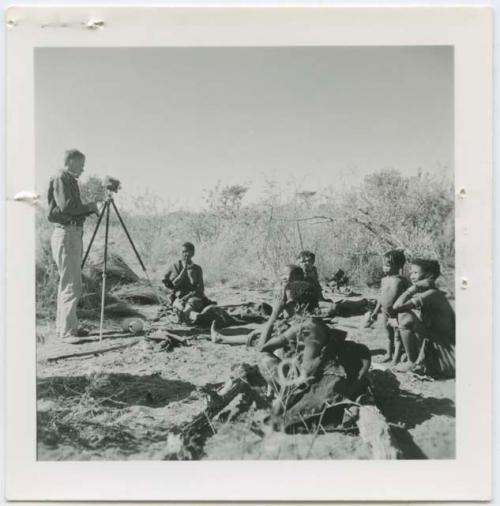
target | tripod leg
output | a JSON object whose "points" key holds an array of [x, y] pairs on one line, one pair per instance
{"points": [[128, 236], [104, 207], [104, 266], [136, 252]]}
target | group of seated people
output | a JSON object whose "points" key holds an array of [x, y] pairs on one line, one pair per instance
{"points": [[298, 350]]}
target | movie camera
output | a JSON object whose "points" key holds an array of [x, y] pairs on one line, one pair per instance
{"points": [[112, 184]]}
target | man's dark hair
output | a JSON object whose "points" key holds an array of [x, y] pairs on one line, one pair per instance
{"points": [[189, 246], [396, 257], [429, 267], [302, 294], [71, 154], [307, 254]]}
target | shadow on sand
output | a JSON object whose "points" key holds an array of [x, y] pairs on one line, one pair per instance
{"points": [[404, 407], [123, 389], [103, 412]]}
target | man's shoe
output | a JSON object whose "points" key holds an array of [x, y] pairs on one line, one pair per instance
{"points": [[81, 332], [77, 337]]}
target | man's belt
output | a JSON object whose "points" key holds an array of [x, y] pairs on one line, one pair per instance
{"points": [[71, 222]]}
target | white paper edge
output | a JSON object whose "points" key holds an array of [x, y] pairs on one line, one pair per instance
{"points": [[468, 477]]}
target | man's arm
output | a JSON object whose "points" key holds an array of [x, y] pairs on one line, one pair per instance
{"points": [[365, 366], [179, 278], [373, 315], [170, 280], [404, 302], [199, 284], [188, 296], [378, 305], [70, 203], [273, 344], [423, 297]]}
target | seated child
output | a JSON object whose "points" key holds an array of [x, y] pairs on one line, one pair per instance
{"points": [[326, 307], [426, 322], [281, 308], [184, 283], [392, 286], [305, 261]]}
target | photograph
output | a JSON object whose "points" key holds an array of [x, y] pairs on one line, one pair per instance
{"points": [[245, 253]]}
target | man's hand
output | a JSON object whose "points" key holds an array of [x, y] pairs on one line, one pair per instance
{"points": [[422, 285], [279, 297], [186, 263], [188, 296], [93, 208]]}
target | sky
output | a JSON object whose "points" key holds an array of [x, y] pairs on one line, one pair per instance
{"points": [[176, 121]]}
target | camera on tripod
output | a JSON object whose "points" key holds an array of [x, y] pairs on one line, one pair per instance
{"points": [[111, 184]]}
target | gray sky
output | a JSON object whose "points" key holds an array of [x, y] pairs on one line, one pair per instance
{"points": [[177, 120]]}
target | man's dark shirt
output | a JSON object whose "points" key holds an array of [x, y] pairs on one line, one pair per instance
{"points": [[191, 282], [65, 204]]}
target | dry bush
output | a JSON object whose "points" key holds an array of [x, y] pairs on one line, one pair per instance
{"points": [[243, 244]]}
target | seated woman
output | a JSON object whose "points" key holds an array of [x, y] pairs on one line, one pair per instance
{"points": [[317, 367], [426, 322], [291, 273]]}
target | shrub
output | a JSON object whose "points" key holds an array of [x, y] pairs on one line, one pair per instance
{"points": [[242, 243]]}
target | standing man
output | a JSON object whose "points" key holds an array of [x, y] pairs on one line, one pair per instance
{"points": [[68, 214]]}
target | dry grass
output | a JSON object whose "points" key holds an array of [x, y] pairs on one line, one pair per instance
{"points": [[247, 245]]}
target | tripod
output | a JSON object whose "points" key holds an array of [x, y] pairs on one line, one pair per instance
{"points": [[108, 203]]}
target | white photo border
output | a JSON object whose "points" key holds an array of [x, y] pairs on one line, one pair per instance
{"points": [[468, 476]]}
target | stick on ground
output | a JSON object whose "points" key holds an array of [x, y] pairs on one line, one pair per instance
{"points": [[96, 351]]}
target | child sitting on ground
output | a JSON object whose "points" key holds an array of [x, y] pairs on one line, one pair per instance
{"points": [[326, 307], [305, 261], [392, 286], [426, 322], [281, 307]]}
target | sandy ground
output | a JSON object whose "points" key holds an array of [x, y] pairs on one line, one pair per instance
{"points": [[126, 403]]}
